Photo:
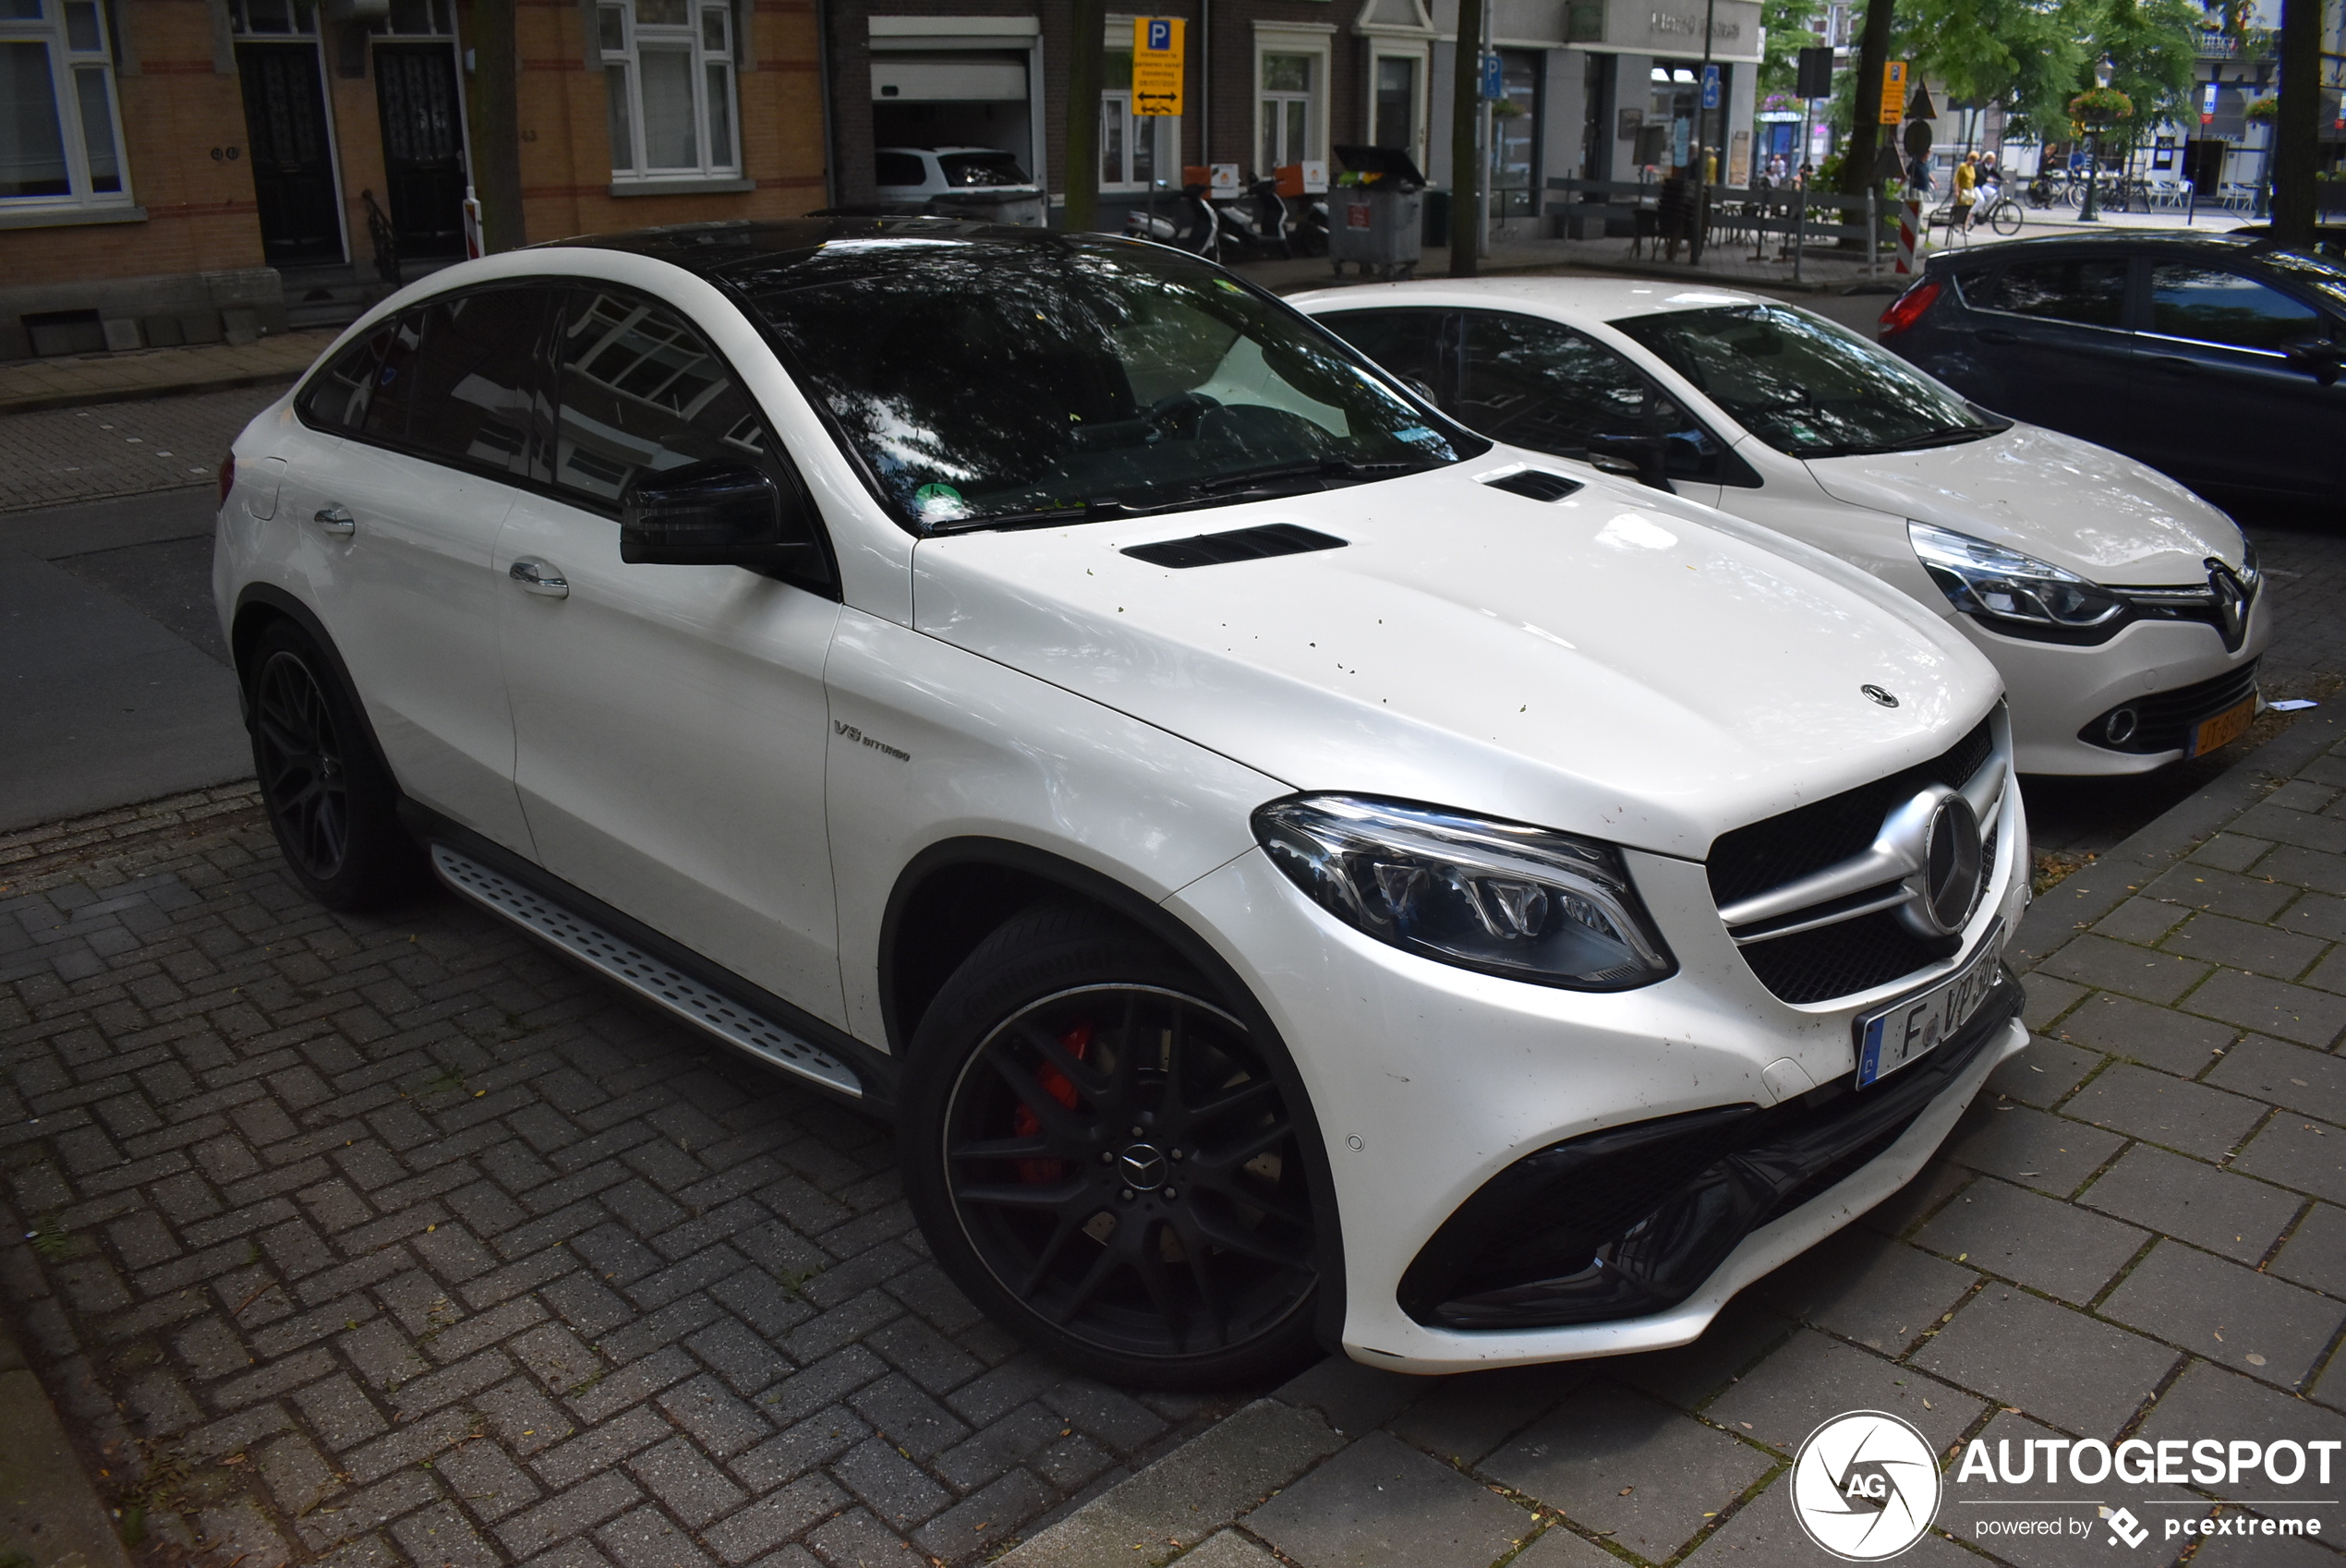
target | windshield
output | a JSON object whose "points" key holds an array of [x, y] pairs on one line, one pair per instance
{"points": [[983, 382], [1806, 386], [981, 169]]}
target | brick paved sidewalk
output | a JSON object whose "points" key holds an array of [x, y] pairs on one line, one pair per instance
{"points": [[2139, 1229], [119, 449], [395, 1241], [384, 1241], [31, 384]]}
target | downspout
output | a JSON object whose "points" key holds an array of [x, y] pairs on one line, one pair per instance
{"points": [[826, 54]]}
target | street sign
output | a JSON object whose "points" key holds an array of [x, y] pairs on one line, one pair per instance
{"points": [[1893, 92], [1815, 73], [1494, 78], [1711, 87], [1922, 108], [1917, 139], [1157, 61]]}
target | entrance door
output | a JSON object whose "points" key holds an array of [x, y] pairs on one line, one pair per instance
{"points": [[293, 164], [423, 147]]}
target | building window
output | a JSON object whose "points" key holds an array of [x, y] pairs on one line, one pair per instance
{"points": [[1516, 134], [668, 70], [1133, 148], [1396, 103], [273, 18], [1290, 109], [60, 128], [417, 19]]}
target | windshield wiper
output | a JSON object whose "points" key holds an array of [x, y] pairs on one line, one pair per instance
{"points": [[1319, 468]]}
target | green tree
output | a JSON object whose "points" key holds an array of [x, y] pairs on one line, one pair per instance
{"points": [[1791, 26], [2152, 46]]}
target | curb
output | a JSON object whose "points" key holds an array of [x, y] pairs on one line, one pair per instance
{"points": [[39, 402], [48, 1509], [1175, 1507]]}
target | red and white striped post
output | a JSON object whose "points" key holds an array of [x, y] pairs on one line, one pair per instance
{"points": [[1910, 221]]}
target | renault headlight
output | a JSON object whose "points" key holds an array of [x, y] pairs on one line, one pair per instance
{"points": [[1508, 900], [2014, 592]]}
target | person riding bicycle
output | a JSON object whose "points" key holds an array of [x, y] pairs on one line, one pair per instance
{"points": [[1967, 189]]}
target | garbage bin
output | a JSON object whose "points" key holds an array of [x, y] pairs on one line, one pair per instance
{"points": [[1379, 225]]}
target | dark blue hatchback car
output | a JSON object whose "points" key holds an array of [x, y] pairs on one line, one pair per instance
{"points": [[2212, 357]]}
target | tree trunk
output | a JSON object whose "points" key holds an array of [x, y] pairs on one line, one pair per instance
{"points": [[1086, 21], [1865, 131], [2297, 125], [1465, 158], [496, 134]]}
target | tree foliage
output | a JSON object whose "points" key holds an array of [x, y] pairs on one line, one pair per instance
{"points": [[1791, 26]]}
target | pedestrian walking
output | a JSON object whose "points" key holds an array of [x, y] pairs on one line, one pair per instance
{"points": [[1674, 213]]}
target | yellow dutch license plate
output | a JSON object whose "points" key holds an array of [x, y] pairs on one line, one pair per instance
{"points": [[2212, 734]]}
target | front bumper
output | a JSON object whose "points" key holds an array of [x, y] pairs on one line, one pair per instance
{"points": [[1428, 1082], [2058, 690]]}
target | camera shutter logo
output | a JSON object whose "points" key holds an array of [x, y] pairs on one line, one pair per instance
{"points": [[1865, 1486]]}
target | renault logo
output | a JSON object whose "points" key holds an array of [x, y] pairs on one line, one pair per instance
{"points": [[2231, 603], [1939, 835]]}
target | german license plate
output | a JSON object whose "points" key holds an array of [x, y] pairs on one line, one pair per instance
{"points": [[2212, 734], [1914, 1026]]}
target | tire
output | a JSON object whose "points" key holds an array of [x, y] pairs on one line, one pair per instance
{"points": [[331, 801], [1101, 1157], [2008, 217]]}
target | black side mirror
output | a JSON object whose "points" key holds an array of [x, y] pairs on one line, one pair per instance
{"points": [[2318, 356], [1649, 457], [717, 514]]}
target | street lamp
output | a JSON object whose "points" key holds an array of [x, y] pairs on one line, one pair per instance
{"points": [[2088, 211]]}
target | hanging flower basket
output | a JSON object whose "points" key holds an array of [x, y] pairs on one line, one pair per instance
{"points": [[2263, 108], [2100, 106]]}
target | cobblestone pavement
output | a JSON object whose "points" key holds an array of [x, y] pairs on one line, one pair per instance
{"points": [[118, 449], [388, 1241], [2139, 1229]]}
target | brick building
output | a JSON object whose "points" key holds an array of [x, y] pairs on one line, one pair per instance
{"points": [[175, 171]]}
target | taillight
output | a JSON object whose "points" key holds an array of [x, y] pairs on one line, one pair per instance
{"points": [[227, 477], [1907, 309]]}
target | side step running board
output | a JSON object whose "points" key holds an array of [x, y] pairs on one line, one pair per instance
{"points": [[647, 976]]}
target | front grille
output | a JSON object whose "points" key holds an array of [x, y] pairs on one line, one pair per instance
{"points": [[1854, 955], [2163, 722], [1769, 854]]}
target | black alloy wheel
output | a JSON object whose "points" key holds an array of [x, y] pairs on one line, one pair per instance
{"points": [[1107, 1162], [332, 803], [298, 754]]}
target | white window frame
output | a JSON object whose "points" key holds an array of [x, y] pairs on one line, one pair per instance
{"points": [[50, 29], [1316, 40], [690, 38], [1115, 102], [1421, 58]]}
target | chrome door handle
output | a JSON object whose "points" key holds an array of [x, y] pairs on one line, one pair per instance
{"points": [[335, 520], [539, 578]]}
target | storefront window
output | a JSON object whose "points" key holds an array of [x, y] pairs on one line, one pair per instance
{"points": [[1515, 135], [60, 136]]}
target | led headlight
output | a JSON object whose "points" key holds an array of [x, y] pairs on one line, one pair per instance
{"points": [[2014, 592], [1499, 896]]}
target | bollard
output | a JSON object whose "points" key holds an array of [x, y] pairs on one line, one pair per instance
{"points": [[1910, 216], [1873, 237]]}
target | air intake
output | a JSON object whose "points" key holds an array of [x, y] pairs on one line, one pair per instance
{"points": [[1239, 544], [1536, 484]]}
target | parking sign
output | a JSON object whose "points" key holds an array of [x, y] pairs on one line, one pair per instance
{"points": [[1158, 65]]}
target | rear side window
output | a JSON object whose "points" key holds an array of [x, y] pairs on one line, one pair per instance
{"points": [[2209, 305], [337, 398], [900, 168], [2090, 293], [1406, 342], [478, 400], [642, 391], [387, 411]]}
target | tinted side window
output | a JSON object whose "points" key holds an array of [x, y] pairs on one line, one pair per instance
{"points": [[336, 397], [479, 398], [2213, 306], [642, 391], [900, 168], [387, 411], [1408, 343], [2092, 294], [1537, 385]]}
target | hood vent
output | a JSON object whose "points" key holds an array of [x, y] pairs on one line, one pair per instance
{"points": [[1536, 484], [1241, 543]]}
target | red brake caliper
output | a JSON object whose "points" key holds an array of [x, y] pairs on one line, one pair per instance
{"points": [[1056, 1084]]}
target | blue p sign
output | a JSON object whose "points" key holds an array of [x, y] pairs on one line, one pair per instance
{"points": [[1160, 34]]}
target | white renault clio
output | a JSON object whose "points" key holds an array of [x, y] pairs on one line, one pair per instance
{"points": [[1295, 871], [2126, 614]]}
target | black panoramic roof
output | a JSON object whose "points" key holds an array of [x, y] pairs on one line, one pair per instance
{"points": [[2117, 241], [717, 249]]}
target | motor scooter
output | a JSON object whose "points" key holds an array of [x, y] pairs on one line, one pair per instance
{"points": [[1256, 226], [1188, 222]]}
